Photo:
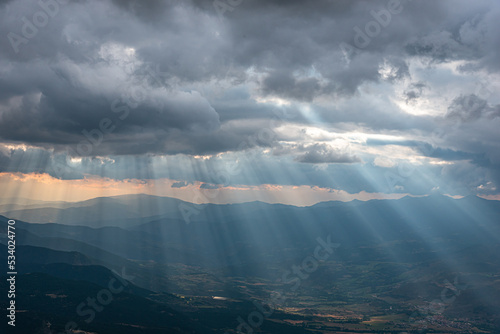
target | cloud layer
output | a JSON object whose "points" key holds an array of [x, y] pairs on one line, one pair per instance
{"points": [[305, 86]]}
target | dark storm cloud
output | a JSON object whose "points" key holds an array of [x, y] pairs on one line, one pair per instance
{"points": [[318, 153], [414, 91], [468, 108], [145, 9], [295, 45], [161, 63], [67, 112], [284, 84], [469, 36]]}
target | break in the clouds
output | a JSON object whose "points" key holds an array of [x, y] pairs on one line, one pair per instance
{"points": [[338, 94]]}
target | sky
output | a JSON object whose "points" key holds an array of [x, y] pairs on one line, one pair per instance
{"points": [[229, 101]]}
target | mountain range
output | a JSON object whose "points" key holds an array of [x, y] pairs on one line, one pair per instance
{"points": [[388, 268]]}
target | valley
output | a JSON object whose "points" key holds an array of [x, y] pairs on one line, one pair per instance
{"points": [[331, 270]]}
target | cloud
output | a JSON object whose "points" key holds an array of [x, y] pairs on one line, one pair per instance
{"points": [[139, 83], [180, 184], [208, 186], [468, 108], [145, 10], [74, 104], [282, 83], [414, 91], [323, 153], [44, 187]]}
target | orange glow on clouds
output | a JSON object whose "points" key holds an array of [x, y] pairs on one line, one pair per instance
{"points": [[47, 188]]}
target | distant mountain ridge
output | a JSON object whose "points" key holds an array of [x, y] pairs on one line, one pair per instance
{"points": [[129, 210], [393, 256]]}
